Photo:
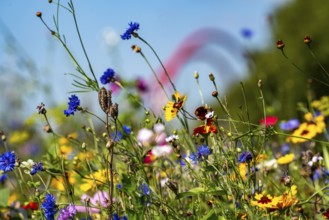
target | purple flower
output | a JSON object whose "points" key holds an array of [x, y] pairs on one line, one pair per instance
{"points": [[289, 125], [145, 189], [141, 85], [3, 178], [126, 129], [246, 33], [107, 76], [203, 151], [245, 157], [133, 26], [7, 161], [49, 207], [67, 213], [36, 167], [73, 105]]}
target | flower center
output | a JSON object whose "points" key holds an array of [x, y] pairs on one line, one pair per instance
{"points": [[264, 200]]}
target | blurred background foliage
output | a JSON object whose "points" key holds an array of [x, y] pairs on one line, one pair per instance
{"points": [[284, 84]]}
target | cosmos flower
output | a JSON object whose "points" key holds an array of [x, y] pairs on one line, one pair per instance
{"points": [[7, 161], [49, 207], [107, 76], [73, 105], [133, 27], [67, 213], [172, 108]]}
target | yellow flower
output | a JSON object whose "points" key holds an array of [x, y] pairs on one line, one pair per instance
{"points": [[265, 201], [288, 198], [243, 170], [18, 137], [304, 132], [285, 159], [59, 182], [94, 179], [172, 108]]}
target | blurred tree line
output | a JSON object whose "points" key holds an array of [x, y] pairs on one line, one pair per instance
{"points": [[287, 81]]}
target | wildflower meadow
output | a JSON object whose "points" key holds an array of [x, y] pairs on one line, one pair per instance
{"points": [[128, 160]]}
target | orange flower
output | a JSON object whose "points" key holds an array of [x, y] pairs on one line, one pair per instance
{"points": [[172, 108], [206, 129]]}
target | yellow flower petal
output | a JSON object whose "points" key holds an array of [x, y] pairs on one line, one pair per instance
{"points": [[286, 159]]}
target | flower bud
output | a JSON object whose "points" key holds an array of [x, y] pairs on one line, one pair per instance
{"points": [[260, 83], [280, 44], [214, 94], [39, 14], [211, 77], [196, 75], [307, 40], [136, 48], [83, 145]]}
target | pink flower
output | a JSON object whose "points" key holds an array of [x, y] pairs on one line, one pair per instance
{"points": [[269, 121]]}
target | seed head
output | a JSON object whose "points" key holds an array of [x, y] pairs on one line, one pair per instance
{"points": [[280, 44], [136, 48], [39, 14], [211, 77], [214, 93]]}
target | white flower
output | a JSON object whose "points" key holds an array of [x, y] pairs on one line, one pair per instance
{"points": [[27, 164], [210, 114], [172, 138], [160, 151]]}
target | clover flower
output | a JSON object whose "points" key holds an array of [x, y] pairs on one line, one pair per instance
{"points": [[133, 26], [49, 207], [67, 213], [107, 77], [73, 105], [7, 161]]}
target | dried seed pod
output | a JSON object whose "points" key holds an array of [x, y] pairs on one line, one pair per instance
{"points": [[103, 99], [109, 100], [114, 111]]}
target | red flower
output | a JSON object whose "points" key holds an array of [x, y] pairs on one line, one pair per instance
{"points": [[269, 121], [206, 129], [149, 157], [31, 205]]}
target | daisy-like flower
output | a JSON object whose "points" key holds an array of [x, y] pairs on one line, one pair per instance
{"points": [[67, 213], [107, 76], [172, 108], [49, 207], [304, 132], [264, 201], [7, 161], [206, 129], [73, 104], [288, 158], [133, 27], [288, 198], [94, 179]]}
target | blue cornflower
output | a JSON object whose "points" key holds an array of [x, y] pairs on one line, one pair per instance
{"points": [[49, 207], [7, 161], [3, 178], [119, 186], [117, 136], [285, 148], [117, 217], [290, 125], [36, 167], [107, 76], [126, 129], [203, 151], [73, 105], [194, 158], [133, 26], [145, 189], [246, 33], [245, 157], [67, 213]]}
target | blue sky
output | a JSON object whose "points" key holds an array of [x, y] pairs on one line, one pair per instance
{"points": [[165, 24]]}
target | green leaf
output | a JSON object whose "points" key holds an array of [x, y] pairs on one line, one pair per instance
{"points": [[4, 197]]}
